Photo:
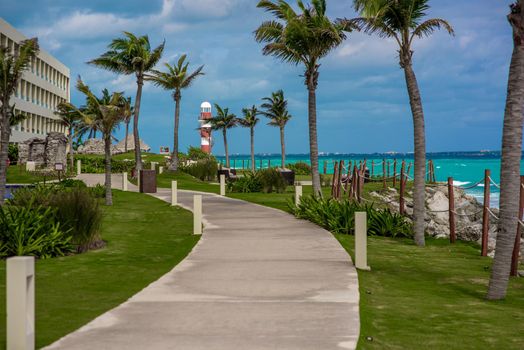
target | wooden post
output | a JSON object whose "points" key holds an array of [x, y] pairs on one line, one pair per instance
{"points": [[260, 163], [395, 173], [485, 214], [372, 169], [402, 190], [387, 170], [357, 185], [234, 163], [339, 182], [409, 168], [269, 163], [334, 181], [384, 173], [516, 247], [451, 212], [325, 167], [243, 164], [348, 176]]}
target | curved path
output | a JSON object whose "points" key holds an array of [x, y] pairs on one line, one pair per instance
{"points": [[258, 279]]}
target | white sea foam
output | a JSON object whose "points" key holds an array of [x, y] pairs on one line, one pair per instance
{"points": [[460, 183]]}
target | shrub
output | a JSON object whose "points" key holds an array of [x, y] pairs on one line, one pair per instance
{"points": [[12, 153], [32, 231], [339, 216], [96, 165], [98, 191], [300, 168], [271, 180], [77, 210], [195, 153], [204, 170], [250, 182], [72, 183], [388, 224]]}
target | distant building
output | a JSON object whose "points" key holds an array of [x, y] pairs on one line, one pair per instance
{"points": [[40, 90], [206, 141]]}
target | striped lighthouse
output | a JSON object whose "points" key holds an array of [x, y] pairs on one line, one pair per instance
{"points": [[205, 127]]}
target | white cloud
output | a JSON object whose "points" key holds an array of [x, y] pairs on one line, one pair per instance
{"points": [[208, 8]]}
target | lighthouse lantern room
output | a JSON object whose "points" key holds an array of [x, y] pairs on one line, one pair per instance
{"points": [[205, 127]]}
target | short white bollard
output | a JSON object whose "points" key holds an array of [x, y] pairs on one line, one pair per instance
{"points": [[361, 238], [20, 303], [30, 166], [298, 194], [197, 214], [153, 165], [160, 169], [124, 182], [174, 193], [222, 184], [78, 167]]}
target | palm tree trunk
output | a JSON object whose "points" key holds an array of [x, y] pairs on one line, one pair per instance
{"points": [[510, 163], [252, 132], [174, 157], [127, 134], [71, 153], [225, 147], [138, 158], [4, 146], [313, 141], [419, 189], [283, 147], [107, 149]]}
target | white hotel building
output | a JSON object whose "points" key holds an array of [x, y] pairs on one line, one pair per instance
{"points": [[40, 90]]}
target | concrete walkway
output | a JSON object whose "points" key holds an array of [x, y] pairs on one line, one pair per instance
{"points": [[258, 279]]}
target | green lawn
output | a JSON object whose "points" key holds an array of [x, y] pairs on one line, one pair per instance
{"points": [[433, 298], [16, 174], [145, 238]]}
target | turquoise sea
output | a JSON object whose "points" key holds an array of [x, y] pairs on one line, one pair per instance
{"points": [[466, 168]]}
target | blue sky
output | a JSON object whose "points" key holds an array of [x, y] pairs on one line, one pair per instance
{"points": [[362, 100]]}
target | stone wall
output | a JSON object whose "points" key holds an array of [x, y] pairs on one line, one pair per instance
{"points": [[44, 152], [96, 146]]}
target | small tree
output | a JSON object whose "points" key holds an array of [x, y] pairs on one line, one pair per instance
{"points": [[12, 65], [106, 113], [224, 121], [176, 79], [275, 108], [70, 118], [250, 120]]}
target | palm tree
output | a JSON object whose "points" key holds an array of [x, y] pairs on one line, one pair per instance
{"points": [[176, 78], [128, 113], [70, 118], [223, 121], [303, 38], [131, 55], [106, 113], [510, 162], [12, 65], [250, 120], [402, 21], [276, 110]]}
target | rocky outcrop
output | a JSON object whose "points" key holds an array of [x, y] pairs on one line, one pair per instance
{"points": [[144, 147], [95, 146], [44, 152], [468, 218]]}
